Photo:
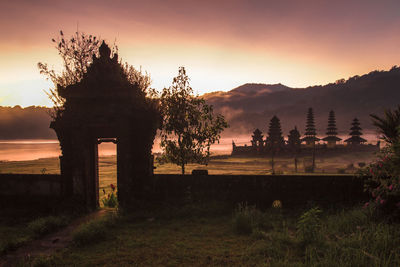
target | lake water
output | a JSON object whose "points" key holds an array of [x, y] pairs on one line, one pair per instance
{"points": [[20, 150]]}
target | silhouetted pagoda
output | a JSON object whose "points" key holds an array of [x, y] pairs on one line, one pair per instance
{"points": [[331, 131], [276, 143], [310, 133], [355, 134], [275, 139], [257, 140]]}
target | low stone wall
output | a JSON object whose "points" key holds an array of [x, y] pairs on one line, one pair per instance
{"points": [[261, 190], [32, 192], [26, 185]]}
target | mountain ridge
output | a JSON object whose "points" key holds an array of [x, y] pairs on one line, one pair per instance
{"points": [[252, 105], [358, 96]]}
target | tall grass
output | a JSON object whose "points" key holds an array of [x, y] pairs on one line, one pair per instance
{"points": [[94, 231], [345, 238], [45, 225]]}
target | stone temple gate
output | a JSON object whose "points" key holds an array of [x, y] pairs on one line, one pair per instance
{"points": [[105, 106]]}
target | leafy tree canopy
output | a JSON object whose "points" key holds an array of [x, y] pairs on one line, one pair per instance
{"points": [[388, 125], [189, 125]]}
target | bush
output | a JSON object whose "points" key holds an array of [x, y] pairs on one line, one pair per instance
{"points": [[362, 164], [341, 171], [383, 183], [308, 225], [308, 169], [47, 225], [111, 200], [246, 218], [93, 231], [11, 245]]}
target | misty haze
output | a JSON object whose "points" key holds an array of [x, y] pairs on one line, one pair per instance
{"points": [[199, 133]]}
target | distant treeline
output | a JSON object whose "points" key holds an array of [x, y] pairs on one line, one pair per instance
{"points": [[251, 106]]}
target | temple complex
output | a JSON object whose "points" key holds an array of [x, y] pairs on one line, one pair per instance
{"points": [[309, 143]]}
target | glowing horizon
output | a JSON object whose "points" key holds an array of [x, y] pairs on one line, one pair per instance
{"points": [[223, 44]]}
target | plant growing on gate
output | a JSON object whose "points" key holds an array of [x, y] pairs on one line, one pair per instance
{"points": [[189, 124], [77, 54]]}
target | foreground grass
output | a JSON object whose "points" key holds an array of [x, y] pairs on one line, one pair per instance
{"points": [[18, 229], [276, 238]]}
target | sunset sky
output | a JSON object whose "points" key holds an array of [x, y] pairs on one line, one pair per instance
{"points": [[223, 44]]}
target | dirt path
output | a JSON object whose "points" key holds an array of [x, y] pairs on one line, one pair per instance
{"points": [[48, 244]]}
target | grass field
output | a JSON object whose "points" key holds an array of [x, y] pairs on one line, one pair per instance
{"points": [[211, 236], [217, 165]]}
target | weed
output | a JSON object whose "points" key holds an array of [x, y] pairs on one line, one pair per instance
{"points": [[246, 218], [341, 171], [308, 225], [111, 200], [93, 231], [12, 244], [47, 225]]}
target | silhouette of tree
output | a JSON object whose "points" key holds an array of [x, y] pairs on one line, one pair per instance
{"points": [[274, 141], [77, 54], [189, 125], [257, 140], [331, 130], [355, 132], [294, 144], [388, 125]]}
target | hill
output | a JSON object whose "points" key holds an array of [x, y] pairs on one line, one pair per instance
{"points": [[251, 106], [25, 123]]}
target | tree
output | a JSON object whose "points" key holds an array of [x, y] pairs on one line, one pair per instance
{"points": [[257, 140], [189, 125], [355, 132], [294, 144], [331, 130], [388, 125], [77, 54], [274, 141]]}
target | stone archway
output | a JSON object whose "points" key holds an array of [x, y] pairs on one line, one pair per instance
{"points": [[104, 104]]}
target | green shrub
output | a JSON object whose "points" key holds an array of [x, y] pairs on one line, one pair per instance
{"points": [[341, 171], [42, 261], [110, 200], [383, 183], [347, 221], [308, 225], [47, 225], [13, 244], [93, 231], [246, 218], [308, 169]]}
